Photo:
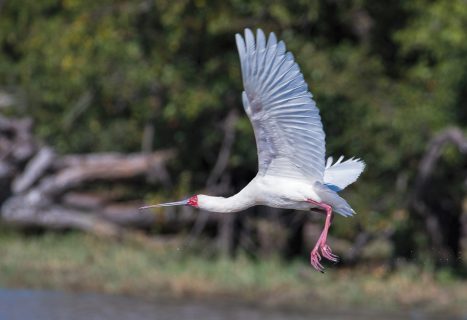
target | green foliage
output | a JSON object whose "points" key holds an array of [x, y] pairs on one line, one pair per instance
{"points": [[386, 78]]}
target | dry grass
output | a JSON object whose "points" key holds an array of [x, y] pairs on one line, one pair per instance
{"points": [[84, 263]]}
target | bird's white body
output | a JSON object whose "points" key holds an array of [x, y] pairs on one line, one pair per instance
{"points": [[292, 171], [272, 191]]}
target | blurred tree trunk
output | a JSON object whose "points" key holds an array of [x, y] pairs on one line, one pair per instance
{"points": [[462, 254], [426, 194]]}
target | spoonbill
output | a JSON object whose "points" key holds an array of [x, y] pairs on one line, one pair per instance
{"points": [[292, 171]]}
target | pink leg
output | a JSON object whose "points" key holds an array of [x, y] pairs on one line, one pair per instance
{"points": [[321, 245]]}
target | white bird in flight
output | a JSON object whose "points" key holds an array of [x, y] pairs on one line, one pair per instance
{"points": [[292, 173]]}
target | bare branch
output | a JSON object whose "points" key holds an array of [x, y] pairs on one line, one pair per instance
{"points": [[216, 173], [34, 170], [225, 150], [435, 147]]}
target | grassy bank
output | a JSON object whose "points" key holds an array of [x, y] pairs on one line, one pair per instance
{"points": [[81, 262]]}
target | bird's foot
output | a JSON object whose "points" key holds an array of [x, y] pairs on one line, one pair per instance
{"points": [[327, 253], [315, 259]]}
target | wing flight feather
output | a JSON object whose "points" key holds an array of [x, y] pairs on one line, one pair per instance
{"points": [[287, 125]]}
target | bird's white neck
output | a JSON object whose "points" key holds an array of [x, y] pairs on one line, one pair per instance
{"points": [[238, 202]]}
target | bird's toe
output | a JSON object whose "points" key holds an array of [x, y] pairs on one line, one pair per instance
{"points": [[315, 259], [327, 253]]}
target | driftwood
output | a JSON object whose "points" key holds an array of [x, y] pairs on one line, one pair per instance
{"points": [[77, 170], [17, 145], [34, 170], [16, 141], [39, 195], [43, 189]]}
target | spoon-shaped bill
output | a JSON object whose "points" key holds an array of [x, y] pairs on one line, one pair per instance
{"points": [[167, 204]]}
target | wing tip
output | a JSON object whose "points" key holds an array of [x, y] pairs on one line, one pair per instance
{"points": [[259, 32], [260, 39], [249, 38], [240, 42], [249, 33], [272, 39]]}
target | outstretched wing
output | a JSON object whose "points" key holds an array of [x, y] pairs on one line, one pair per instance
{"points": [[288, 129]]}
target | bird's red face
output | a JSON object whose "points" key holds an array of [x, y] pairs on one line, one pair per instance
{"points": [[193, 201]]}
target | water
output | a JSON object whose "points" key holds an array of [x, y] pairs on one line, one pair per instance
{"points": [[47, 305]]}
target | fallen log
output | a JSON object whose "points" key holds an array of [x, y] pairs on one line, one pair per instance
{"points": [[32, 210], [47, 203], [77, 170], [41, 188]]}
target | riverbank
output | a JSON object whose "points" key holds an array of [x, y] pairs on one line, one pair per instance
{"points": [[83, 263]]}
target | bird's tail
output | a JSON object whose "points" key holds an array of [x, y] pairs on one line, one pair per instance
{"points": [[331, 197], [339, 175]]}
